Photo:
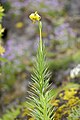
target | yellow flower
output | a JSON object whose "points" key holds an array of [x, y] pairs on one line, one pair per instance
{"points": [[1, 9], [19, 25], [1, 30], [35, 17], [2, 50], [1, 12], [69, 94]]}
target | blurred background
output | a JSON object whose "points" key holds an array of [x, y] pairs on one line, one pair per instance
{"points": [[61, 36]]}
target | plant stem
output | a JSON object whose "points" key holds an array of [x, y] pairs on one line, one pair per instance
{"points": [[40, 29], [45, 117]]}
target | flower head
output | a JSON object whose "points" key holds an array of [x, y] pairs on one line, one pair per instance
{"points": [[75, 72], [1, 9], [1, 30], [35, 17], [1, 12], [19, 25], [2, 50]]}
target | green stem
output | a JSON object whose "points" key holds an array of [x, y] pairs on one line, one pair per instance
{"points": [[41, 50], [40, 29]]}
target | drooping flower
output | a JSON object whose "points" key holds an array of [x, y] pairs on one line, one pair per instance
{"points": [[35, 17], [2, 50]]}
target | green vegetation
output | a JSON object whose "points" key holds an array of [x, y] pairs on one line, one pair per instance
{"points": [[51, 95], [11, 114], [75, 113], [39, 94]]}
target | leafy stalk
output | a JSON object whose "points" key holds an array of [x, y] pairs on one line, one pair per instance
{"points": [[39, 97]]}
